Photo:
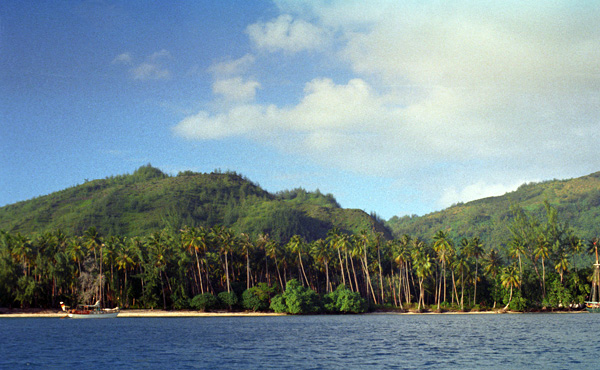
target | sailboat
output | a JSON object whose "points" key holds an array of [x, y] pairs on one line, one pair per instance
{"points": [[593, 305], [90, 311]]}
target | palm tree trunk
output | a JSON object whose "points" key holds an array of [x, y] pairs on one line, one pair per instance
{"points": [[509, 298], [227, 273], [327, 283], [475, 290], [543, 280], [199, 273], [279, 274], [439, 295], [341, 267], [247, 269], [462, 291], [356, 286], [302, 267]]}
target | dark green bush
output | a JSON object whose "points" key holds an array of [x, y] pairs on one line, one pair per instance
{"points": [[345, 301], [296, 300], [228, 299], [257, 298], [204, 302]]}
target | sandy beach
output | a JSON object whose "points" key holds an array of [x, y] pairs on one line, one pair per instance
{"points": [[162, 313], [138, 313]]}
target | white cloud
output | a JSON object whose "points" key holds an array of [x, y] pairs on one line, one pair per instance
{"points": [[124, 58], [287, 34], [232, 67], [149, 71], [459, 97], [478, 190], [162, 54], [235, 89]]}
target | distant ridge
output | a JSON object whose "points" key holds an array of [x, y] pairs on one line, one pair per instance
{"points": [[576, 200], [149, 200]]}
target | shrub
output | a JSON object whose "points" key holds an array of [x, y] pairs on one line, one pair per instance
{"points": [[278, 304], [296, 299], [344, 300], [204, 302], [228, 299], [257, 298]]}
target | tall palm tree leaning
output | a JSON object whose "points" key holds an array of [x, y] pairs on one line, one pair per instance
{"points": [[492, 263], [227, 243], [475, 251], [542, 251], [320, 250], [444, 247], [422, 264], [510, 279], [296, 245]]}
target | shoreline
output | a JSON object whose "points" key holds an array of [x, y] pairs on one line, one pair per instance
{"points": [[130, 313]]}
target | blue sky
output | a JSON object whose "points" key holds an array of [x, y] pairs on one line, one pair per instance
{"points": [[396, 107]]}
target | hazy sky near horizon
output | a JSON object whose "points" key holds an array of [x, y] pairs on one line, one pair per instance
{"points": [[394, 107]]}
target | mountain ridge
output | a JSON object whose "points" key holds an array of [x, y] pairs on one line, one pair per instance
{"points": [[577, 201], [149, 200]]}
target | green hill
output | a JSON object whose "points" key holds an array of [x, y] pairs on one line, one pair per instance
{"points": [[149, 200], [576, 200]]}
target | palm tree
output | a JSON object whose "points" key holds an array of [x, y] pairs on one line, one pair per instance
{"points": [[227, 243], [247, 247], [93, 240], [461, 266], [296, 245], [491, 267], [22, 250], [422, 263], [362, 248], [124, 262], [541, 252], [510, 279], [444, 247], [475, 250], [272, 250], [562, 264], [321, 253], [518, 248], [333, 238], [351, 246], [76, 251], [158, 250], [402, 258], [193, 239]]}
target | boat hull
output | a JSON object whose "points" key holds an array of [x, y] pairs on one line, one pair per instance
{"points": [[107, 315], [592, 307]]}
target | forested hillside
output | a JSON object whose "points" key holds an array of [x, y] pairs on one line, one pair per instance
{"points": [[576, 200], [149, 200], [218, 241]]}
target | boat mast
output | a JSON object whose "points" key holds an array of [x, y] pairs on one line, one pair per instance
{"points": [[102, 280], [596, 278]]}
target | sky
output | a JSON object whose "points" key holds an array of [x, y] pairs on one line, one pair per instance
{"points": [[394, 107]]}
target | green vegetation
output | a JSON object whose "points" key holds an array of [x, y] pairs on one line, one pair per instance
{"points": [[148, 201], [576, 200], [542, 265], [284, 252]]}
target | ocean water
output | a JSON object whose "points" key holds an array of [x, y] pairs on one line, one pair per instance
{"points": [[527, 341]]}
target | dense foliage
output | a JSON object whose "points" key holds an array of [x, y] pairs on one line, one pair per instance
{"points": [[541, 264], [148, 201]]}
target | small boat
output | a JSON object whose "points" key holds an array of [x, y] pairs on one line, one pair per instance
{"points": [[593, 305], [90, 311]]}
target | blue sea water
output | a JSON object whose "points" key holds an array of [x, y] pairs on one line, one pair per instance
{"points": [[527, 341]]}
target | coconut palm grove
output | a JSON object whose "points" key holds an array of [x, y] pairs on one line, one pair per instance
{"points": [[217, 242]]}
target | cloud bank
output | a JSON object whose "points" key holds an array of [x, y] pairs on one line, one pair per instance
{"points": [[480, 96]]}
